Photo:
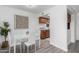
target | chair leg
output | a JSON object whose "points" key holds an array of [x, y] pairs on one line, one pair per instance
{"points": [[27, 49], [31, 46], [24, 48], [20, 49], [9, 49], [35, 47], [14, 48]]}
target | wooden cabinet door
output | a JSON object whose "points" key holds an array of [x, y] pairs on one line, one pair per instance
{"points": [[43, 34], [43, 20], [47, 34]]}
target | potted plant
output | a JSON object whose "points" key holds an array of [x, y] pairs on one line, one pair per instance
{"points": [[4, 32]]}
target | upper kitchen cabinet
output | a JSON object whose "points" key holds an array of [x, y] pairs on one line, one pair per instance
{"points": [[43, 20]]}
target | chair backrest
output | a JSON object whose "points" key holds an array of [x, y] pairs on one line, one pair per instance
{"points": [[24, 40], [21, 35], [9, 39]]}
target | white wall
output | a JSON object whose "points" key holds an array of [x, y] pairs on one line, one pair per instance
{"points": [[7, 14], [58, 26], [73, 29], [77, 27]]}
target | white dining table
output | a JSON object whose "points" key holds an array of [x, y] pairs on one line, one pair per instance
{"points": [[18, 40]]}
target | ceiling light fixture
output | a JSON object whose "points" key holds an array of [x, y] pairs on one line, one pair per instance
{"points": [[31, 6]]}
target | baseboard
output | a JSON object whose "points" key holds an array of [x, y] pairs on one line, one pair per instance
{"points": [[59, 47]]}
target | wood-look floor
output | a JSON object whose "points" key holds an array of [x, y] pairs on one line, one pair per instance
{"points": [[74, 47], [47, 48]]}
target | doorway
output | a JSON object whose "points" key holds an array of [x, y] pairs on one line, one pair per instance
{"points": [[71, 27], [44, 31], [68, 28]]}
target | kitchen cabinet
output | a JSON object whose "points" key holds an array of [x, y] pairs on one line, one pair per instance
{"points": [[44, 34], [43, 20], [47, 33], [44, 27]]}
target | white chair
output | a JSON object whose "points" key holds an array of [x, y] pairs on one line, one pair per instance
{"points": [[9, 40], [20, 42], [20, 37], [28, 44]]}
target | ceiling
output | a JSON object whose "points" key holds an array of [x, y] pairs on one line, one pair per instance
{"points": [[36, 9], [40, 8], [75, 8]]}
